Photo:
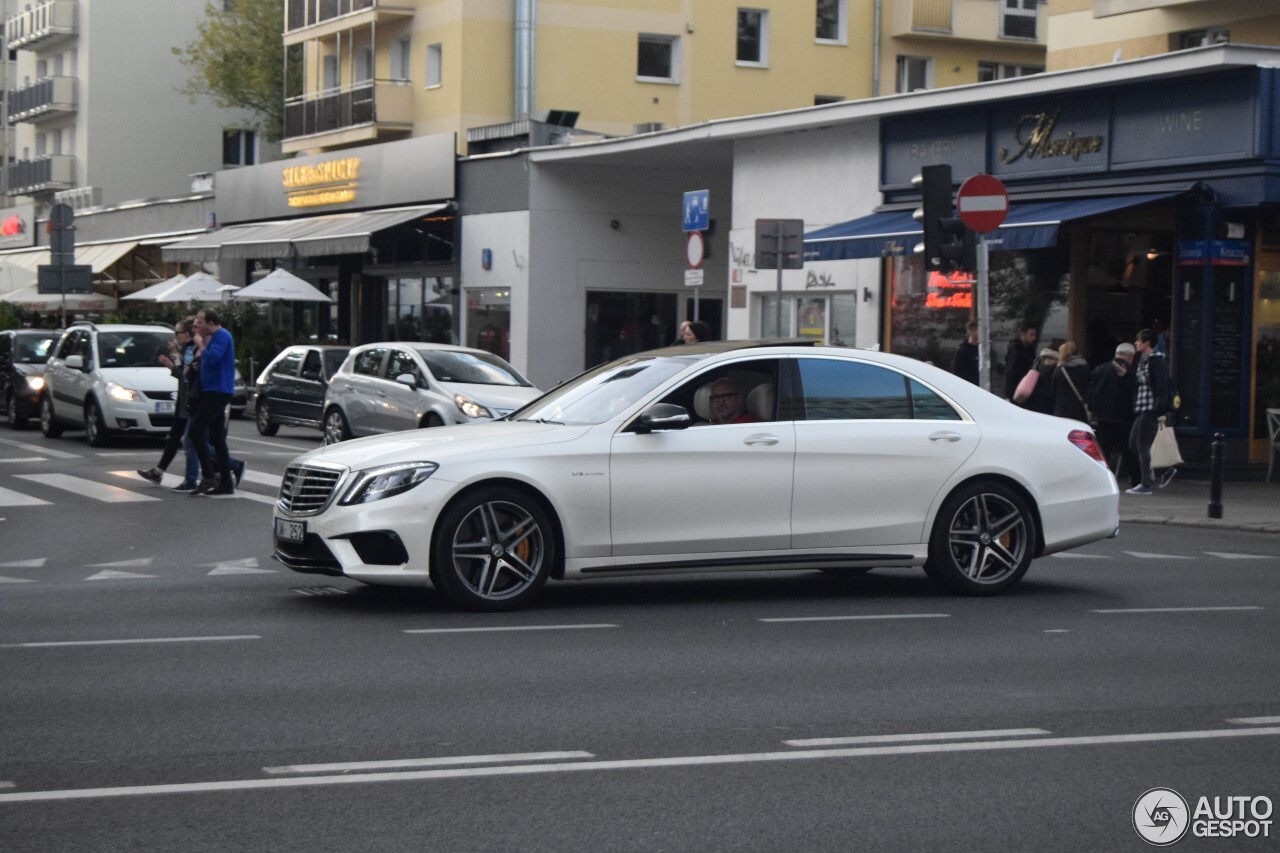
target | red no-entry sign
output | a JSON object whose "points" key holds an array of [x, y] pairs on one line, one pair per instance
{"points": [[982, 203]]}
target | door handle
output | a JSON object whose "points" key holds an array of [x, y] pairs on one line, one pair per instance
{"points": [[945, 436], [760, 438]]}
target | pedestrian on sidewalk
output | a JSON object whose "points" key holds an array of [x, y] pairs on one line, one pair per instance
{"points": [[1068, 383], [1151, 402], [965, 363], [1111, 392]]}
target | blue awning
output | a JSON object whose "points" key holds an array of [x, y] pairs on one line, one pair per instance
{"points": [[1029, 225]]}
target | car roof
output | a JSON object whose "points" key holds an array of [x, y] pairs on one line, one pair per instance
{"points": [[423, 346]]}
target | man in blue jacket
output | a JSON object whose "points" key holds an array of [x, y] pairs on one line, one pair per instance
{"points": [[217, 358]]}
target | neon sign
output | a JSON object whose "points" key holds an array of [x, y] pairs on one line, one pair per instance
{"points": [[951, 290]]}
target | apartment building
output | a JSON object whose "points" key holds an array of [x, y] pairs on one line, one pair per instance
{"points": [[376, 71], [1082, 33]]}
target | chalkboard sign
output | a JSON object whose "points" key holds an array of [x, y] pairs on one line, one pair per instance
{"points": [[1226, 362]]}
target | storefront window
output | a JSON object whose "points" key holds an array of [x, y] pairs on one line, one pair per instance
{"points": [[622, 323], [418, 309], [831, 318], [1267, 314], [489, 320]]}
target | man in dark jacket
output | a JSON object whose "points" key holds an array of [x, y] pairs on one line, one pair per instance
{"points": [[1019, 358], [1111, 401], [1151, 401], [965, 364]]}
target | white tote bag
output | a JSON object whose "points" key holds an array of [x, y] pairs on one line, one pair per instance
{"points": [[1164, 450]]}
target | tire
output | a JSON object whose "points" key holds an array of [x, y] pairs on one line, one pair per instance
{"points": [[95, 425], [983, 540], [335, 426], [262, 419], [49, 425], [431, 421], [493, 550], [17, 420]]}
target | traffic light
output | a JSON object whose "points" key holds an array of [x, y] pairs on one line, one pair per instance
{"points": [[779, 244], [948, 244]]}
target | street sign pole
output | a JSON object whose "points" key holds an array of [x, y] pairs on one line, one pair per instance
{"points": [[983, 204], [777, 320], [984, 314]]}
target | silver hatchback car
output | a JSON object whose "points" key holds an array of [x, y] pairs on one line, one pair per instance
{"points": [[386, 387]]}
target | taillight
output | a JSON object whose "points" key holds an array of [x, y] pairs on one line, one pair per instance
{"points": [[1085, 440]]}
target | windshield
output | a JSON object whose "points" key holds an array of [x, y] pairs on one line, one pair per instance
{"points": [[33, 348], [133, 349], [472, 368], [599, 394]]}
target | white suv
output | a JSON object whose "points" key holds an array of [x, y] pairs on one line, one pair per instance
{"points": [[108, 380]]}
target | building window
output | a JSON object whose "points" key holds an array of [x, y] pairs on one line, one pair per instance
{"points": [[330, 72], [435, 65], [656, 57], [914, 72], [753, 37], [364, 65], [239, 148], [1202, 38], [400, 60], [832, 17], [1019, 19], [988, 71]]}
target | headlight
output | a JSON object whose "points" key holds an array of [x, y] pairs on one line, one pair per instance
{"points": [[116, 391], [386, 481], [35, 383], [470, 407]]}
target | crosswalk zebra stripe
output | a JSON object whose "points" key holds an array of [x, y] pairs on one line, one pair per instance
{"points": [[88, 488], [8, 497]]}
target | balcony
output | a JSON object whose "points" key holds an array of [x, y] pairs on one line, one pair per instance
{"points": [[45, 99], [42, 26], [339, 117], [967, 20], [311, 19], [42, 175]]}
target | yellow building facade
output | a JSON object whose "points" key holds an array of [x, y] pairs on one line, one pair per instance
{"points": [[374, 71]]}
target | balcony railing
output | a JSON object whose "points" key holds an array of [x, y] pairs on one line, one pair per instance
{"points": [[46, 98], [44, 174], [41, 25], [372, 103], [308, 13]]}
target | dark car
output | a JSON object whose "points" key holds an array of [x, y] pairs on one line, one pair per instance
{"points": [[290, 390], [239, 397], [23, 353]]}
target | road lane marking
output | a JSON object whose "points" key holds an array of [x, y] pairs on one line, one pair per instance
{"points": [[923, 736], [1068, 555], [628, 764], [1174, 609], [291, 447], [138, 640], [4, 784], [1144, 555], [425, 762], [8, 497], [87, 488], [40, 449], [37, 563], [506, 628], [15, 580], [263, 479], [853, 618], [26, 459], [1231, 555], [1255, 721]]}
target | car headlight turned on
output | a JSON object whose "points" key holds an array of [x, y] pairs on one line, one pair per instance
{"points": [[470, 407], [35, 383], [116, 391], [386, 481]]}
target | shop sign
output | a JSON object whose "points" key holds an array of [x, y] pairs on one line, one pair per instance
{"points": [[1034, 135], [16, 227], [1218, 253], [950, 290], [323, 183]]}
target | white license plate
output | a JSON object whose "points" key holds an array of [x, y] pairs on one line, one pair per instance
{"points": [[164, 408], [291, 531]]}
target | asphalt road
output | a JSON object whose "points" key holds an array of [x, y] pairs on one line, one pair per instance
{"points": [[167, 687]]}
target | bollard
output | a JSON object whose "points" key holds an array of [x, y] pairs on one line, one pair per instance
{"points": [[1215, 475]]}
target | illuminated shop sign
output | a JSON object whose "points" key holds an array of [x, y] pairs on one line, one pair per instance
{"points": [[324, 183], [950, 290]]}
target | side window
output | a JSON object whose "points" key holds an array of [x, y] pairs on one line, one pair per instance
{"points": [[67, 345], [401, 362], [369, 362], [744, 392], [311, 366], [81, 346], [838, 389], [928, 406], [288, 366]]}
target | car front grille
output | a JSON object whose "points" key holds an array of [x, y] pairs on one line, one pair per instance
{"points": [[161, 395], [306, 490]]}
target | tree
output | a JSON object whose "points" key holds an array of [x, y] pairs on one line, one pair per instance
{"points": [[237, 58]]}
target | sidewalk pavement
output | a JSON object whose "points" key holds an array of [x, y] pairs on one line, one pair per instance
{"points": [[1246, 505]]}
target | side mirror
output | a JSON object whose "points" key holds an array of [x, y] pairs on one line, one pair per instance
{"points": [[407, 379], [75, 362], [663, 416]]}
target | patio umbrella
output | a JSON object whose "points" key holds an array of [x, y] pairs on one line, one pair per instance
{"points": [[149, 293], [31, 298], [200, 286], [281, 286]]}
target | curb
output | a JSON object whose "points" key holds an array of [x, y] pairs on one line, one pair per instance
{"points": [[1211, 523]]}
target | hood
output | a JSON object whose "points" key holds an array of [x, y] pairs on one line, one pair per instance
{"points": [[28, 369], [142, 378], [506, 398], [440, 444]]}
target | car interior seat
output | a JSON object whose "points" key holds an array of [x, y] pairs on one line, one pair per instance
{"points": [[761, 401], [702, 401]]}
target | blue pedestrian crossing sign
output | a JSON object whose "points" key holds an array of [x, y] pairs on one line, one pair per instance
{"points": [[697, 210]]}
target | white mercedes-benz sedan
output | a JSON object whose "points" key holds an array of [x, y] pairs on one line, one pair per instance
{"points": [[725, 456]]}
